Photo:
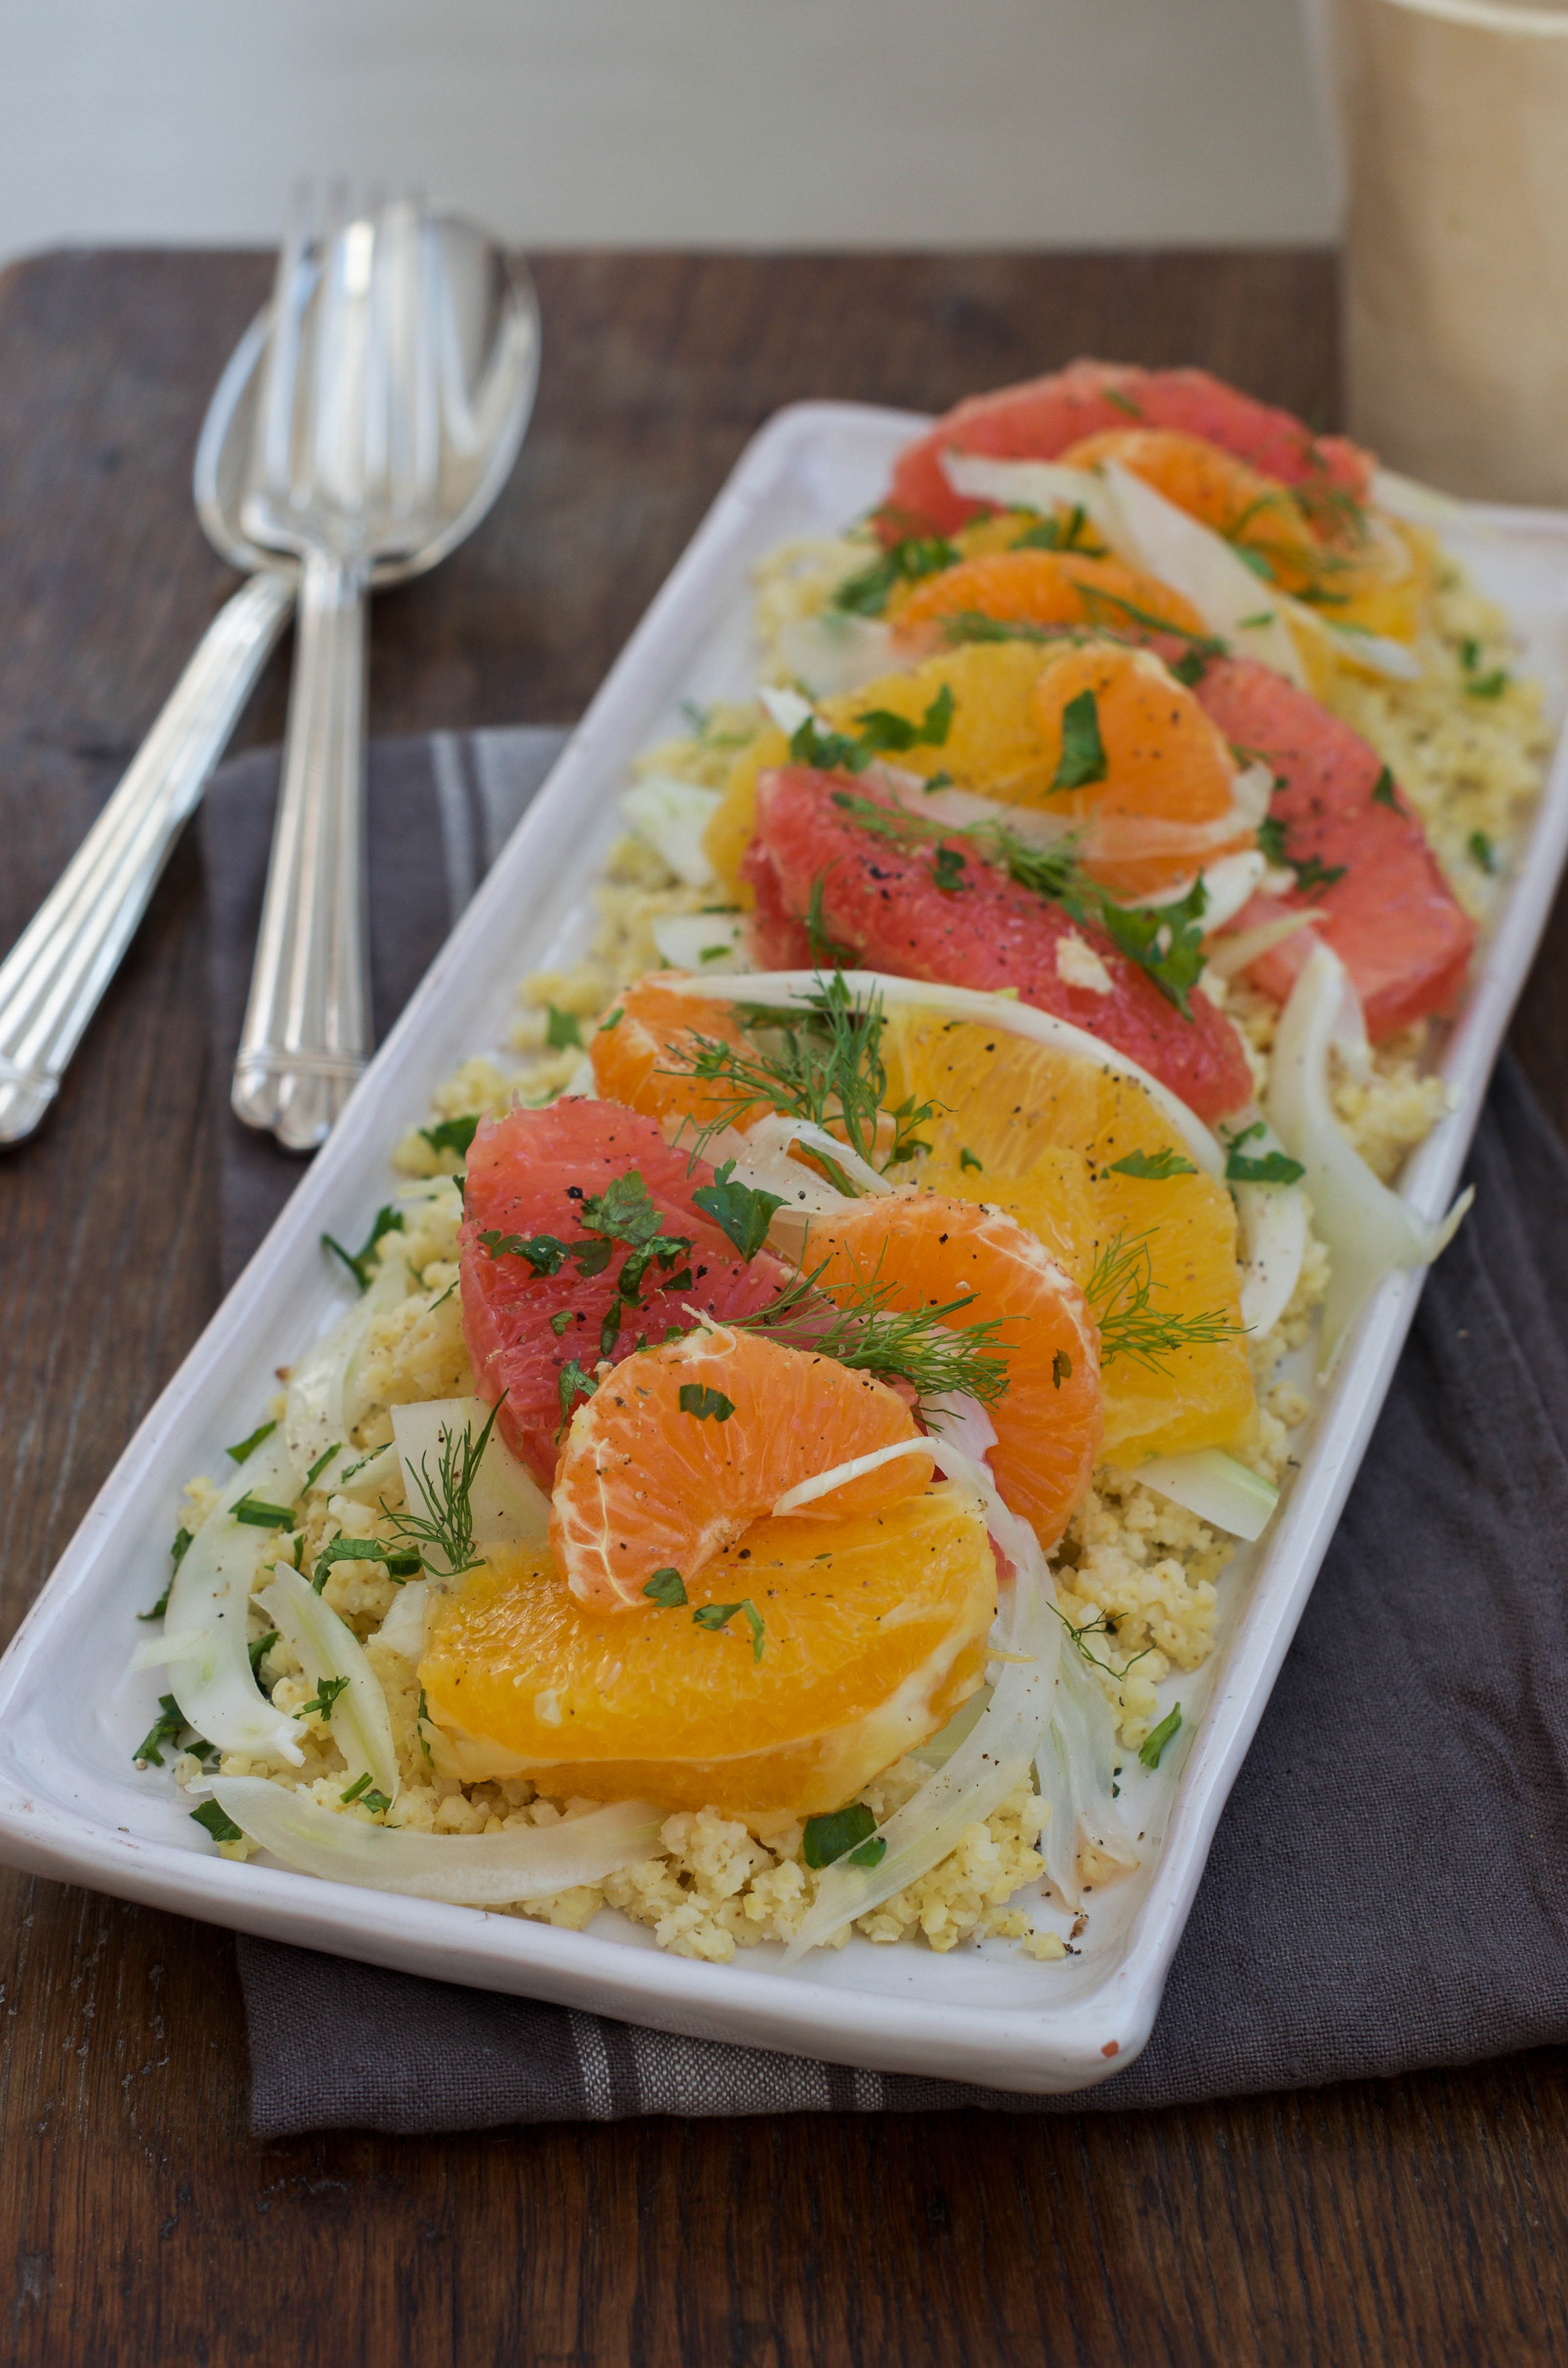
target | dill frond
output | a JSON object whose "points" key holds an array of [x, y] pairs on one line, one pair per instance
{"points": [[857, 1326], [1121, 1296]]}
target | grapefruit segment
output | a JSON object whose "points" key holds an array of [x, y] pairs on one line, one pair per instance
{"points": [[1043, 418], [885, 905], [683, 1446], [531, 1177], [1391, 917], [874, 1632]]}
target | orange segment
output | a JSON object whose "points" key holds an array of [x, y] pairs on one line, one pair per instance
{"points": [[656, 1474], [1237, 500], [1048, 1129], [1165, 766], [1043, 587], [931, 1251], [656, 1034], [873, 1631]]}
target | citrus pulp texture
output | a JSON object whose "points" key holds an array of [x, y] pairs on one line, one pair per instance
{"points": [[1042, 1133], [683, 1447], [874, 1631]]}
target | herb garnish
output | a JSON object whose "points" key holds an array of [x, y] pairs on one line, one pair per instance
{"points": [[1383, 791], [1120, 1294], [1481, 850], [178, 1552], [1061, 1369], [362, 1791], [322, 1702], [714, 1616], [359, 1261], [1150, 1749], [572, 1384], [857, 1326], [827, 1838], [968, 1160], [881, 733], [446, 1526], [1263, 1167], [401, 1563], [697, 1400], [318, 1466], [563, 1032], [1083, 750], [867, 593], [666, 1587], [167, 1727], [743, 1213], [221, 1825], [248, 1446], [258, 1647], [1310, 870], [1154, 1166], [260, 1515], [453, 1134]]}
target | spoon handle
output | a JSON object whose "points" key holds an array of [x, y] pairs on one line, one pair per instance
{"points": [[307, 1028], [54, 976]]}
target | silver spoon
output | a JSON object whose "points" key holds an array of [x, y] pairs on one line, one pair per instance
{"points": [[54, 976]]}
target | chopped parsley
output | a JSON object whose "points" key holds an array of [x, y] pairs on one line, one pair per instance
{"points": [[167, 1727], [1310, 870], [561, 1321], [968, 1160], [563, 1032], [259, 1515], [399, 1561], [258, 1647], [573, 1384], [867, 593], [843, 1831], [366, 1795], [714, 1616], [178, 1552], [1150, 1749], [1383, 791], [216, 1822], [248, 1446], [318, 1466], [422, 1716], [324, 1700], [666, 1587], [453, 1134], [947, 868], [1481, 851], [1083, 756], [881, 733], [742, 1212], [697, 1399], [360, 1262], [1152, 1167]]}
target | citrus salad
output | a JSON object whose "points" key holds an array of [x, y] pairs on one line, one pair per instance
{"points": [[774, 1473]]}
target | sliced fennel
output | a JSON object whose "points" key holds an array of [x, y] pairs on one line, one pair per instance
{"points": [[762, 1161], [788, 989], [327, 1648], [1216, 1488], [670, 816], [786, 709], [834, 651], [204, 1643], [466, 1870], [403, 1627], [986, 1765], [1195, 561], [710, 942], [508, 1505], [320, 1410], [1273, 1231], [823, 1483], [945, 1741], [1371, 1230], [1040, 485], [1075, 1768], [1239, 952]]}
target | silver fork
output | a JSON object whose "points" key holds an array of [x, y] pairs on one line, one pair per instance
{"points": [[344, 472]]}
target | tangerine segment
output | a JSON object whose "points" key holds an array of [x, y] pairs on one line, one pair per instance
{"points": [[929, 1251], [1048, 1129], [654, 1036], [683, 1446], [1043, 587], [873, 1631], [993, 740], [730, 826]]}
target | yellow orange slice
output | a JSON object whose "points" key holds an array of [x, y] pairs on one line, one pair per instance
{"points": [[1041, 1135], [931, 1251], [1043, 587], [873, 1630], [683, 1446]]}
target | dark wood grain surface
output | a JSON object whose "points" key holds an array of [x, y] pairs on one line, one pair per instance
{"points": [[1421, 2220]]}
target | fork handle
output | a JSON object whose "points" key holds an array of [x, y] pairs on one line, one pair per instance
{"points": [[54, 976], [307, 1027]]}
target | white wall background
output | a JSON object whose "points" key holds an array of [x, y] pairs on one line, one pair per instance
{"points": [[736, 122]]}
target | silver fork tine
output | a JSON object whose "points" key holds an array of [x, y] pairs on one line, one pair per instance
{"points": [[290, 295]]}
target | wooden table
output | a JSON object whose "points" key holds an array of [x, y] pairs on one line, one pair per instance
{"points": [[1422, 2219]]}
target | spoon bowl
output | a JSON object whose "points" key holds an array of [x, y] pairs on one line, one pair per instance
{"points": [[490, 372]]}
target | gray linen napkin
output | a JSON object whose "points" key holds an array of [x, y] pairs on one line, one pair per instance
{"points": [[1385, 1890]]}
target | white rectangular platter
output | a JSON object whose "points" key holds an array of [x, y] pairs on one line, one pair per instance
{"points": [[71, 1805]]}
